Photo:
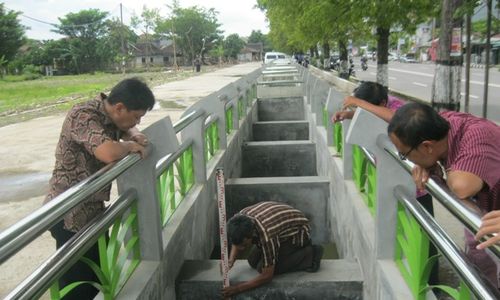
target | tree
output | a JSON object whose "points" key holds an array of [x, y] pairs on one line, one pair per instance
{"points": [[233, 45], [256, 36], [384, 16], [194, 29], [85, 30], [147, 22], [11, 35], [112, 47]]}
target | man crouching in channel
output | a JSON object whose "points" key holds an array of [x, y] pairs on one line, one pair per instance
{"points": [[280, 238]]}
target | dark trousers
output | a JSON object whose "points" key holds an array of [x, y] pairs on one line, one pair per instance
{"points": [[79, 271], [426, 202], [290, 258]]}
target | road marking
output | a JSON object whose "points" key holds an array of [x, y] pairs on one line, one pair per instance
{"points": [[432, 75], [482, 83], [372, 73], [420, 84], [470, 96], [393, 78]]}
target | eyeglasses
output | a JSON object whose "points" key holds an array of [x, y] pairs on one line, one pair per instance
{"points": [[403, 156]]}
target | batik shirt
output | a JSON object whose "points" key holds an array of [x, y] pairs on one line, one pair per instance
{"points": [[86, 127]]}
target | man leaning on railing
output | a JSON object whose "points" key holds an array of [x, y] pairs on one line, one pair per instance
{"points": [[459, 148], [95, 133]]}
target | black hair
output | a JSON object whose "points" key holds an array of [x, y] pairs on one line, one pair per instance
{"points": [[414, 123], [239, 227], [372, 92], [133, 93]]}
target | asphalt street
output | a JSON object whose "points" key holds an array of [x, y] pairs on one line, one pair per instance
{"points": [[415, 79]]}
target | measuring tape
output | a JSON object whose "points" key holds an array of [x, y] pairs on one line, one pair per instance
{"points": [[221, 200]]}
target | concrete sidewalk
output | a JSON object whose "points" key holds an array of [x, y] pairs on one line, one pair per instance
{"points": [[27, 159]]}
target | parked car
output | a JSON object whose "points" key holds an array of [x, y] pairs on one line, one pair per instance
{"points": [[276, 58], [408, 58], [392, 57]]}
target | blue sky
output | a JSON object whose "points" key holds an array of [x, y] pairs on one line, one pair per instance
{"points": [[237, 16]]}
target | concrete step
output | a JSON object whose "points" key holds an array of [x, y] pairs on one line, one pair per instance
{"points": [[281, 109], [336, 279], [280, 130], [309, 194], [278, 158]]}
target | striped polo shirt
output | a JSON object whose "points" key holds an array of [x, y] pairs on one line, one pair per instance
{"points": [[276, 223], [474, 147]]}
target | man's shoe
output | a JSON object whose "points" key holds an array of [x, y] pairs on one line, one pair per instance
{"points": [[316, 259]]}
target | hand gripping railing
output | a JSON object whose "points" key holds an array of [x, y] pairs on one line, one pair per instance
{"points": [[29, 228], [456, 206], [439, 237]]}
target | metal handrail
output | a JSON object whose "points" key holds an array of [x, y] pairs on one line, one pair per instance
{"points": [[470, 218], [446, 245], [164, 162], [369, 155], [30, 227], [188, 119], [210, 119], [58, 263]]}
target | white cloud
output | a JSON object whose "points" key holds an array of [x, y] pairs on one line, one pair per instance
{"points": [[234, 16]]}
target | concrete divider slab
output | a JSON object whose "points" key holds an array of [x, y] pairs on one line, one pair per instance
{"points": [[307, 194], [336, 279], [281, 109], [278, 158], [280, 130]]}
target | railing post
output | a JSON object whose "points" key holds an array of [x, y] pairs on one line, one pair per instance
{"points": [[142, 178], [195, 130], [346, 150], [367, 130]]}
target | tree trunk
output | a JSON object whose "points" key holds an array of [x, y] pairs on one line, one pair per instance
{"points": [[447, 77], [326, 53], [382, 54]]}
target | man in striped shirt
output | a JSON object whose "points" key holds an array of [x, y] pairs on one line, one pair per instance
{"points": [[466, 147], [280, 235]]}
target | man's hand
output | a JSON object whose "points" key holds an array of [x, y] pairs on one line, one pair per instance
{"points": [[490, 225], [420, 177], [351, 101], [342, 115], [134, 147], [140, 138], [230, 291]]}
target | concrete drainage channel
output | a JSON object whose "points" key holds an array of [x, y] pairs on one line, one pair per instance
{"points": [[279, 164]]}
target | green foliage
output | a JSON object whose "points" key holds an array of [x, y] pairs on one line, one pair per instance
{"points": [[233, 45], [11, 33], [480, 27], [85, 30], [31, 72], [258, 37], [195, 29]]}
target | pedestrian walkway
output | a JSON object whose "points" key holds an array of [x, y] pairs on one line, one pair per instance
{"points": [[27, 159]]}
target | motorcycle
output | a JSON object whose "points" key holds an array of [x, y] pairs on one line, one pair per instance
{"points": [[364, 65]]}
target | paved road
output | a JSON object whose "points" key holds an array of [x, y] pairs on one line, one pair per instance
{"points": [[416, 80]]}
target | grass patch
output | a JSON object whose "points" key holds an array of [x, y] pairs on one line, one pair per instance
{"points": [[21, 100]]}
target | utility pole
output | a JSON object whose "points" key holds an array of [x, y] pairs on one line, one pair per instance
{"points": [[487, 60], [122, 40], [467, 62], [447, 77]]}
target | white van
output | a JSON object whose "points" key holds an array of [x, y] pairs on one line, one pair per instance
{"points": [[276, 57]]}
